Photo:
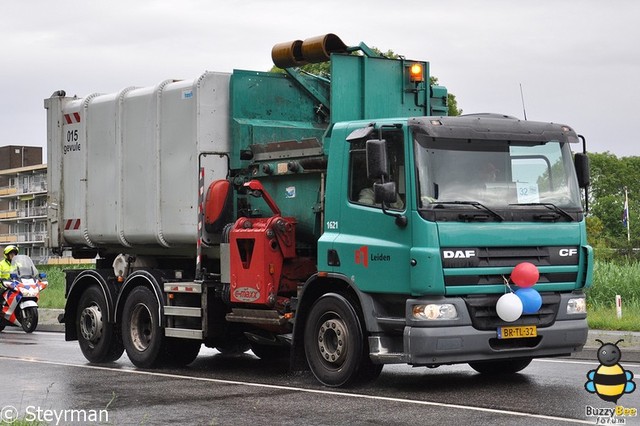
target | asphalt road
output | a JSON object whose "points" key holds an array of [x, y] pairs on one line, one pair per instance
{"points": [[53, 382]]}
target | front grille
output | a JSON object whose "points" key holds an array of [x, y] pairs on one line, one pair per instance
{"points": [[558, 277], [502, 257], [480, 257], [482, 310]]}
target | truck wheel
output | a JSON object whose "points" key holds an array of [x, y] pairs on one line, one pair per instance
{"points": [[99, 340], [334, 343], [180, 352], [29, 319], [143, 338], [501, 367]]}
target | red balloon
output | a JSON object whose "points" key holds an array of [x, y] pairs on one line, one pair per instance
{"points": [[525, 274]]}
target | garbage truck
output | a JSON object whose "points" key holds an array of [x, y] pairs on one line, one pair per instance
{"points": [[341, 222]]}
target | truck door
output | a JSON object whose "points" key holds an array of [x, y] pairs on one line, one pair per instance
{"points": [[373, 249]]}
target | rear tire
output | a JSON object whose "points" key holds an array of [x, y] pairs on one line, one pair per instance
{"points": [[142, 336], [501, 367], [29, 319], [334, 343], [99, 340]]}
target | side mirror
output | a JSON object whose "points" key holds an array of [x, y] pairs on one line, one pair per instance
{"points": [[377, 162], [42, 275], [384, 192], [14, 277], [581, 162]]}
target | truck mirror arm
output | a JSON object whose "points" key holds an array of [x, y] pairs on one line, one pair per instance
{"points": [[384, 193], [401, 220]]}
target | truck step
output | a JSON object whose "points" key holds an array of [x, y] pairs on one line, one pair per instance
{"points": [[278, 340], [183, 333], [183, 311], [183, 287], [389, 358], [256, 316]]}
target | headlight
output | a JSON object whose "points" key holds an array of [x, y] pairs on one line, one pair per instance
{"points": [[577, 306], [445, 311]]}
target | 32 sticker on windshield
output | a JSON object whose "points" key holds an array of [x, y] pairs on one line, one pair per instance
{"points": [[527, 192]]}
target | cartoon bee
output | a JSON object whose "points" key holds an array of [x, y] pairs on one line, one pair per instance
{"points": [[609, 381]]}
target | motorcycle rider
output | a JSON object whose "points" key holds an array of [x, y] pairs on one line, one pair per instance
{"points": [[5, 266]]}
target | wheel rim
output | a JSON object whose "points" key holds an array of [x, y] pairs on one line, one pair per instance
{"points": [[332, 340], [27, 319], [141, 327], [91, 324]]}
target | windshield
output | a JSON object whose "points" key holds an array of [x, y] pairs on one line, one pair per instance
{"points": [[497, 174], [23, 266]]}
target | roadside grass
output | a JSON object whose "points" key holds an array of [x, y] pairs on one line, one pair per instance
{"points": [[21, 422], [610, 278], [603, 318]]}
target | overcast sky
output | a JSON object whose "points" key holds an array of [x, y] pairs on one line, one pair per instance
{"points": [[578, 60]]}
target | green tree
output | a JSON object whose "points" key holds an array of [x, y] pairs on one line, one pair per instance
{"points": [[323, 69], [609, 176]]}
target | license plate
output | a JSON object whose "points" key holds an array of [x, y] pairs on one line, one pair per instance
{"points": [[517, 332]]}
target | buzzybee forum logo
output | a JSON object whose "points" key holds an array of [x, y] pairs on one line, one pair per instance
{"points": [[610, 381]]}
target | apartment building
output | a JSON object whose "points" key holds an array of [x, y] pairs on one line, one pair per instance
{"points": [[23, 200]]}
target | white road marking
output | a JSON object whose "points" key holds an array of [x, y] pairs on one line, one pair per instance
{"points": [[624, 364], [303, 390]]}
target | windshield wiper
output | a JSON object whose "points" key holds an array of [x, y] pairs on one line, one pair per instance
{"points": [[550, 206], [475, 204]]}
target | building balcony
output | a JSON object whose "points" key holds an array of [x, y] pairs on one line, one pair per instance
{"points": [[8, 238], [34, 188], [23, 238], [28, 213]]}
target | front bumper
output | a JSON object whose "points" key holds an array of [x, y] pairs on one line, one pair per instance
{"points": [[459, 341], [450, 345]]}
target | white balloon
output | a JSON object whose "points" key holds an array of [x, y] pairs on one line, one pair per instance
{"points": [[509, 307]]}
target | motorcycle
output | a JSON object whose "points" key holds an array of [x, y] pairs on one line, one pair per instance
{"points": [[19, 302]]}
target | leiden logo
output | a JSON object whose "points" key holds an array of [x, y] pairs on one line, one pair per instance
{"points": [[362, 257]]}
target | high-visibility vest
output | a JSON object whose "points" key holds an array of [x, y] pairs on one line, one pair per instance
{"points": [[5, 269]]}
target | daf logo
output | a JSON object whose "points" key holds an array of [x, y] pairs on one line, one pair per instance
{"points": [[458, 254], [568, 252]]}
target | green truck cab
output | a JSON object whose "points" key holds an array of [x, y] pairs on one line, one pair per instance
{"points": [[479, 194]]}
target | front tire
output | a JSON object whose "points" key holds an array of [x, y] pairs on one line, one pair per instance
{"points": [[99, 340], [142, 335], [29, 319], [501, 367], [334, 343]]}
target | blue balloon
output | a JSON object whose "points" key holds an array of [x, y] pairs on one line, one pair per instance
{"points": [[531, 300]]}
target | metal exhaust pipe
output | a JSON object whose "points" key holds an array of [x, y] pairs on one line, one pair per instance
{"points": [[310, 51]]}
